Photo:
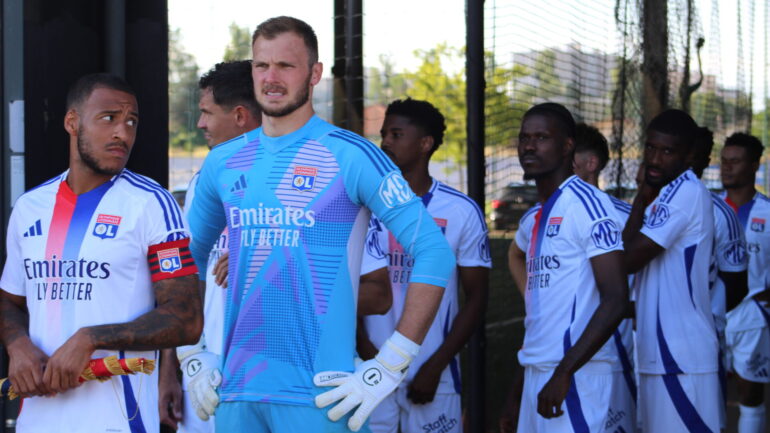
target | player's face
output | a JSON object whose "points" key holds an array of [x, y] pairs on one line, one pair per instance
{"points": [[736, 168], [106, 130], [402, 141], [282, 74], [542, 146], [217, 122], [664, 158]]}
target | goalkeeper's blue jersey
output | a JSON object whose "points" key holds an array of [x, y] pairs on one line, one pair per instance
{"points": [[297, 210]]}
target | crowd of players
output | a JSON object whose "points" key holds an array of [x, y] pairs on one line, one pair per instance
{"points": [[331, 263]]}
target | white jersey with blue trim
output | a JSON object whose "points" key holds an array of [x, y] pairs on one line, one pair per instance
{"points": [[729, 256], [622, 339], [675, 327], [297, 208], [82, 260], [753, 217], [464, 227], [577, 223]]}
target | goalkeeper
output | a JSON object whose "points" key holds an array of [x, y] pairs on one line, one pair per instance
{"points": [[296, 196]]}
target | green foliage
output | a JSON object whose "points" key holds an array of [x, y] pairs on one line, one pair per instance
{"points": [[760, 124], [384, 85], [239, 47], [183, 96]]}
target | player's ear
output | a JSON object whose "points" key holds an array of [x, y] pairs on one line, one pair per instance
{"points": [[71, 122], [315, 73], [426, 144], [239, 115], [569, 147]]}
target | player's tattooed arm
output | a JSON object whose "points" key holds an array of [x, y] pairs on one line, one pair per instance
{"points": [[612, 285], [27, 361], [176, 320]]}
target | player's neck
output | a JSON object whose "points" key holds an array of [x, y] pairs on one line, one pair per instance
{"points": [[82, 179], [742, 194], [283, 125], [419, 180], [548, 184]]}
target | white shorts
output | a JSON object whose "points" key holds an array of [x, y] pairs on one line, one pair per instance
{"points": [[748, 350], [585, 408], [442, 415], [622, 412], [684, 403], [190, 421]]}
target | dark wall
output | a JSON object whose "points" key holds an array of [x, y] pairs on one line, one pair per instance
{"points": [[64, 40]]}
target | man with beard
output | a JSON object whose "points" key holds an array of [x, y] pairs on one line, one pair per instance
{"points": [[576, 292], [98, 265], [669, 236], [296, 196], [747, 333]]}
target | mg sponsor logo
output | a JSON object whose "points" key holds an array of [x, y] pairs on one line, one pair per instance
{"points": [[394, 190], [658, 215], [735, 253], [605, 234]]}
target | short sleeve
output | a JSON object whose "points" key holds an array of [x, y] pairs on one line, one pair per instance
{"points": [[375, 255], [601, 232], [526, 223], [473, 248], [666, 221], [168, 249], [12, 280], [729, 241]]}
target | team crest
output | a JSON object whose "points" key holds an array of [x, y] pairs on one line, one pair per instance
{"points": [[169, 260], [106, 226], [758, 224], [441, 223], [554, 224], [304, 178]]}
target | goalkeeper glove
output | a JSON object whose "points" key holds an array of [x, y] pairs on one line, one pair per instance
{"points": [[200, 377], [372, 381]]}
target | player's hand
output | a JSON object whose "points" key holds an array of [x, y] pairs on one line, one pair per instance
{"points": [[26, 367], [65, 365], [220, 270], [372, 381], [201, 377], [424, 385], [551, 397], [169, 395]]}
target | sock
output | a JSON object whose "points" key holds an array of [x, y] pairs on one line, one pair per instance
{"points": [[752, 419]]}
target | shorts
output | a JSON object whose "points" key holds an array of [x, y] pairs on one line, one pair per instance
{"points": [[442, 415], [748, 350], [190, 421], [254, 417], [621, 415], [684, 403], [585, 408]]}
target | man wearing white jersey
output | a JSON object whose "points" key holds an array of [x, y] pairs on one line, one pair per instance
{"points": [[98, 265], [429, 397], [576, 292], [227, 110], [590, 157], [727, 273], [747, 335], [669, 236]]}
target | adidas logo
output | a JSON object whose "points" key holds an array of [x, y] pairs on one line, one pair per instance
{"points": [[34, 230], [762, 373], [239, 184]]}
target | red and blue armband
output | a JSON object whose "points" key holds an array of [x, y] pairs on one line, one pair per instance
{"points": [[171, 260]]}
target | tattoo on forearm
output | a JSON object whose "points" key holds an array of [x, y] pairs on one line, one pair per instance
{"points": [[174, 322]]}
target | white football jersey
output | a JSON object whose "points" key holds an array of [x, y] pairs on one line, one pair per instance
{"points": [[729, 255], [753, 218], [675, 327], [577, 223], [463, 224], [90, 259]]}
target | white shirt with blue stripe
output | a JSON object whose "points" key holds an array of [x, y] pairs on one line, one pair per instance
{"points": [[578, 222], [675, 327]]}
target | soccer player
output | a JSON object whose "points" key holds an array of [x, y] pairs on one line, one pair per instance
{"points": [[227, 110], [747, 334], [590, 157], [98, 265], [576, 291], [668, 238], [430, 394], [729, 260], [295, 195]]}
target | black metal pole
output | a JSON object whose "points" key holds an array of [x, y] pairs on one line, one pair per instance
{"points": [[475, 85], [348, 69], [115, 37]]}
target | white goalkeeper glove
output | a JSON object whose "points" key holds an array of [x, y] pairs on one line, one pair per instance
{"points": [[200, 377], [372, 381]]}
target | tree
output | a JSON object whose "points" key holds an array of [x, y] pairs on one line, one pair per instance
{"points": [[183, 96], [239, 47], [384, 84]]}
